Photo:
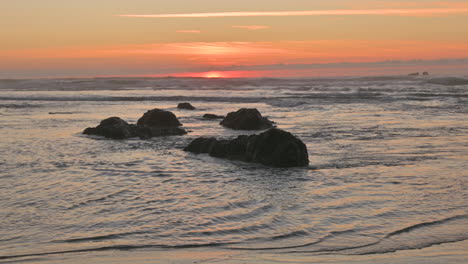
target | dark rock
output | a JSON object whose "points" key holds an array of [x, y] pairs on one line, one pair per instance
{"points": [[234, 149], [212, 116], [275, 147], [425, 73], [201, 145], [414, 74], [186, 106], [112, 127], [142, 132], [159, 122], [246, 119], [60, 113], [158, 118], [153, 123], [448, 81]]}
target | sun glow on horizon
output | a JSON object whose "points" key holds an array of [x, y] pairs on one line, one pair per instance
{"points": [[214, 74], [208, 74]]}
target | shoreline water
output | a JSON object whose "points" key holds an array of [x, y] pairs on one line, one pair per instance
{"points": [[387, 164]]}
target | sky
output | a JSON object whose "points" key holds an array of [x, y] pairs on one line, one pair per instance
{"points": [[242, 38]]}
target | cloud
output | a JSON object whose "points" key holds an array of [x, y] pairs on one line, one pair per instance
{"points": [[189, 31], [337, 12], [291, 56], [247, 53], [252, 27], [370, 64]]}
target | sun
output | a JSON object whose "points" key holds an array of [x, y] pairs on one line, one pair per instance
{"points": [[213, 74]]}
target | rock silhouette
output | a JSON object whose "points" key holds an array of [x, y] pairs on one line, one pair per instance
{"points": [[113, 127], [186, 106], [212, 116], [153, 123], [160, 123], [274, 147], [158, 118], [246, 119]]}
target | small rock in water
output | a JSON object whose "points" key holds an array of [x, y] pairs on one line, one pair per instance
{"points": [[186, 106], [212, 116], [153, 123], [275, 147], [425, 73], [246, 119], [60, 113], [414, 74]]}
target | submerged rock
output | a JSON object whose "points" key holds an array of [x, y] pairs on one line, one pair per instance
{"points": [[153, 123], [113, 127], [186, 106], [212, 116], [275, 147], [246, 119], [448, 81]]}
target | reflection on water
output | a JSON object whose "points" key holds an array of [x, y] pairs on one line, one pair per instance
{"points": [[387, 171]]}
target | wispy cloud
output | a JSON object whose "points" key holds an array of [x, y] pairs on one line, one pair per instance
{"points": [[252, 27], [338, 12], [189, 31]]}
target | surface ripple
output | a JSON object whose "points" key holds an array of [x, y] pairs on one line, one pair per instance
{"points": [[388, 169]]}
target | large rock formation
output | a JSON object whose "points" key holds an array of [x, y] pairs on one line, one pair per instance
{"points": [[246, 119], [186, 106], [275, 147], [153, 123]]}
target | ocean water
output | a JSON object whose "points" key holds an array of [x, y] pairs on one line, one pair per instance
{"points": [[388, 168]]}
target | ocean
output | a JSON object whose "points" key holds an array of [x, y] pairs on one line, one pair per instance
{"points": [[388, 168]]}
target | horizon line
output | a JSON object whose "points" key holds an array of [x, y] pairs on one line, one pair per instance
{"points": [[266, 67], [153, 76]]}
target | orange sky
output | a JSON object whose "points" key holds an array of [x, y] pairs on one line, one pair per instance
{"points": [[210, 39]]}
